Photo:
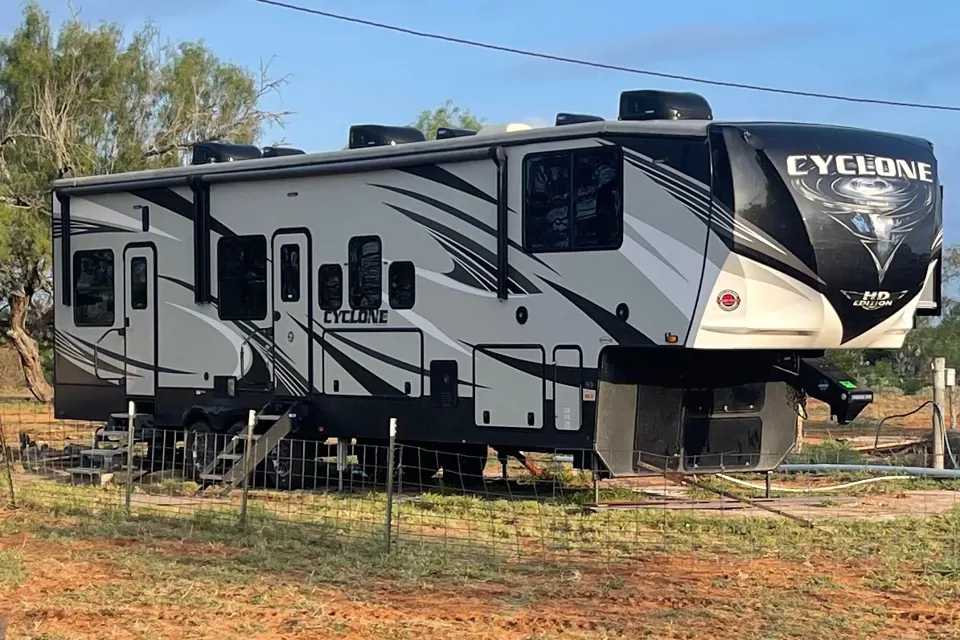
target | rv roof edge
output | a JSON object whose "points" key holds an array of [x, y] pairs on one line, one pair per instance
{"points": [[340, 166], [175, 175], [84, 188], [347, 166]]}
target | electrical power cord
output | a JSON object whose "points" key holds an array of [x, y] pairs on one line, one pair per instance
{"points": [[836, 487], [600, 65], [946, 438]]}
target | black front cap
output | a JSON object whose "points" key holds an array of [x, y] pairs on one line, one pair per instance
{"points": [[858, 207]]}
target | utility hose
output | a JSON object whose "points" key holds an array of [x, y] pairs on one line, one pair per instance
{"points": [[938, 411], [836, 487]]}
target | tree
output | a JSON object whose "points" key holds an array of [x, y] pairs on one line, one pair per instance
{"points": [[87, 100], [446, 115]]}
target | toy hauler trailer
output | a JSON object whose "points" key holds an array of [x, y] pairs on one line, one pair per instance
{"points": [[664, 283]]}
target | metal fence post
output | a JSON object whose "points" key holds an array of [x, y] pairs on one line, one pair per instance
{"points": [[248, 442], [388, 524], [131, 411], [341, 462], [5, 452], [939, 388]]}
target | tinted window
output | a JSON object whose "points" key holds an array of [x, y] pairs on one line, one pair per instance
{"points": [[290, 273], [138, 283], [402, 279], [331, 287], [546, 207], [365, 272], [242, 277], [93, 291], [597, 198], [573, 200]]}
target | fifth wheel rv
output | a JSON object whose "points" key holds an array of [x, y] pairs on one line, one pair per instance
{"points": [[663, 283]]}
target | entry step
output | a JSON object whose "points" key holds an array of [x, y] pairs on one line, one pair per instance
{"points": [[89, 471], [103, 453]]}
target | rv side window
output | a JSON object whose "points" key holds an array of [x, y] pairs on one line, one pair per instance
{"points": [[138, 283], [242, 277], [331, 287], [573, 200], [290, 273], [365, 272], [402, 279], [93, 291]]}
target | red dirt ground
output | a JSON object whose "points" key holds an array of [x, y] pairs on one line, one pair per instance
{"points": [[93, 589]]}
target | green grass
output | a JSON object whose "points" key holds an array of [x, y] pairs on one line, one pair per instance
{"points": [[12, 571], [445, 526], [279, 562]]}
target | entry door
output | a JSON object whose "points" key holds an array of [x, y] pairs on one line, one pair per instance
{"points": [[292, 313], [568, 387], [140, 319]]}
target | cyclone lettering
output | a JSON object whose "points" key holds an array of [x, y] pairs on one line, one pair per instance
{"points": [[880, 211]]}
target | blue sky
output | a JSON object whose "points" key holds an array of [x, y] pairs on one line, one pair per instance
{"points": [[341, 74]]}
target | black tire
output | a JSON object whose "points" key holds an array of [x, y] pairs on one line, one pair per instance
{"points": [[372, 460], [419, 464], [463, 467], [287, 464]]}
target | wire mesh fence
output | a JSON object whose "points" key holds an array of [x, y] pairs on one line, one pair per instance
{"points": [[541, 509]]}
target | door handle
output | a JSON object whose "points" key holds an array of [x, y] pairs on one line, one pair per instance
{"points": [[276, 316], [126, 322]]}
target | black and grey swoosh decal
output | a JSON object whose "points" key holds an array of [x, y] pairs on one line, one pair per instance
{"points": [[741, 237], [470, 255], [442, 176], [371, 382], [214, 301], [259, 372], [643, 242], [568, 376], [173, 201], [460, 215], [623, 333], [122, 358], [381, 357], [66, 345], [84, 228]]}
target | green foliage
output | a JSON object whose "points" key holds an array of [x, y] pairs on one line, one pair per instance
{"points": [[89, 99], [446, 115]]}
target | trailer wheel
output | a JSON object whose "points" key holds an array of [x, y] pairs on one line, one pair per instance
{"points": [[464, 467], [286, 466], [372, 460], [420, 464]]}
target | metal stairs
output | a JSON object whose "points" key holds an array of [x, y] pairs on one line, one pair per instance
{"points": [[237, 460], [108, 454]]}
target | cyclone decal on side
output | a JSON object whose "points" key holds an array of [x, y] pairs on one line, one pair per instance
{"points": [[878, 210]]}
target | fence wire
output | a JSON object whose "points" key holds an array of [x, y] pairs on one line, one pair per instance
{"points": [[486, 507]]}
